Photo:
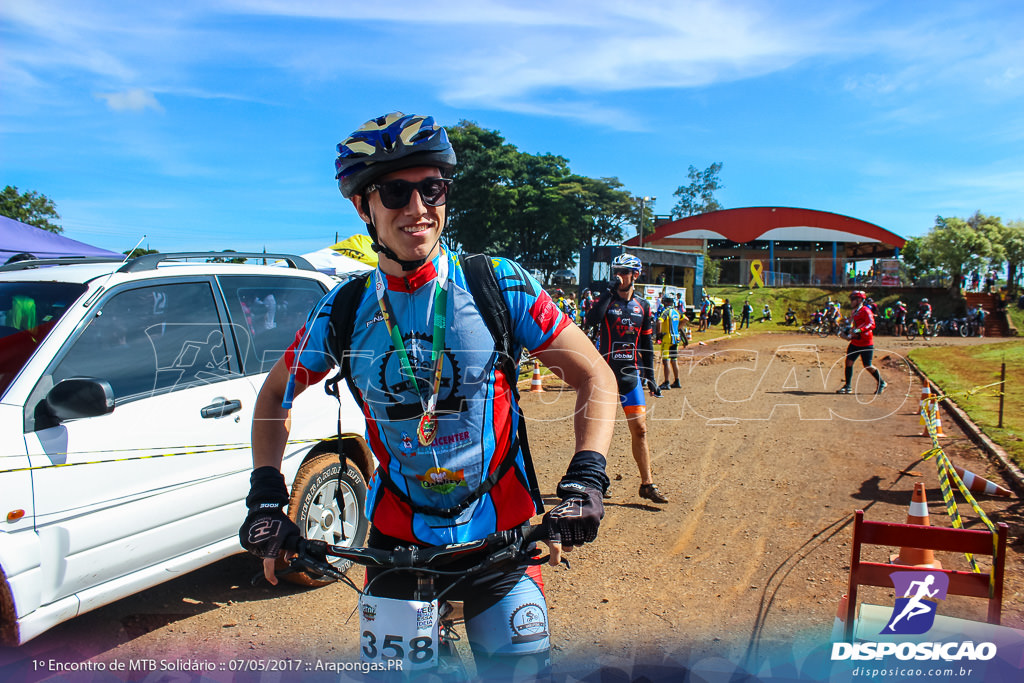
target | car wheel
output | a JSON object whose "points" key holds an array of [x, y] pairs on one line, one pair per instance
{"points": [[327, 504]]}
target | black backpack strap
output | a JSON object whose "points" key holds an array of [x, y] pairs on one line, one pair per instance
{"points": [[343, 315], [483, 285]]}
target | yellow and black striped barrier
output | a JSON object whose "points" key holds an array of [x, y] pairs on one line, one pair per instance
{"points": [[948, 475], [213, 448]]}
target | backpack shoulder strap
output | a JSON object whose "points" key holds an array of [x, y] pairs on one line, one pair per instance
{"points": [[342, 320], [483, 285]]}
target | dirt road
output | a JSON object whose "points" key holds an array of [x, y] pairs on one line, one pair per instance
{"points": [[764, 465]]}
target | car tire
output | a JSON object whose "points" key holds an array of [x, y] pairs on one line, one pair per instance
{"points": [[327, 504]]}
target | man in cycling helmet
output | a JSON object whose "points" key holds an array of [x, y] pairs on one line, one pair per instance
{"points": [[625, 327], [442, 417], [862, 343]]}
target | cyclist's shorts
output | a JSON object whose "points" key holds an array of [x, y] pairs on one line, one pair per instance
{"points": [[506, 613], [668, 349], [633, 400], [866, 353]]}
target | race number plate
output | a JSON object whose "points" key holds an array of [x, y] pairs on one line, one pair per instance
{"points": [[398, 633]]}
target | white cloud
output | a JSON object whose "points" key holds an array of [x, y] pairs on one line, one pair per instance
{"points": [[135, 99]]}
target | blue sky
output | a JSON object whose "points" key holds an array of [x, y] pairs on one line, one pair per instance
{"points": [[212, 124]]}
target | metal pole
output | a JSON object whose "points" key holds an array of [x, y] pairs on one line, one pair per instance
{"points": [[1002, 393], [642, 201]]}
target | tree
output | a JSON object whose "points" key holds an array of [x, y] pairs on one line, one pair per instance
{"points": [[139, 251], [1012, 240], [699, 196], [528, 207], [30, 208], [957, 247]]}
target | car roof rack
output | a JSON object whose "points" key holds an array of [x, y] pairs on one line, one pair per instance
{"points": [[61, 261], [151, 261]]}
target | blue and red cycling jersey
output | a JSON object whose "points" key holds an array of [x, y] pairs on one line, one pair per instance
{"points": [[477, 414]]}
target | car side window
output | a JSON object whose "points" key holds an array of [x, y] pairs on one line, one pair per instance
{"points": [[151, 340], [266, 312]]}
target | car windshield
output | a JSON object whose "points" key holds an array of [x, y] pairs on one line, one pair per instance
{"points": [[28, 311]]}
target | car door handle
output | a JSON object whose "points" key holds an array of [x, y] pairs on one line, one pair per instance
{"points": [[221, 408]]}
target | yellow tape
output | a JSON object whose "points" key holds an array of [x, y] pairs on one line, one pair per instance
{"points": [[214, 448], [947, 473]]}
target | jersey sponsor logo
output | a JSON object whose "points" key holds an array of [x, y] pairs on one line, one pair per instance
{"points": [[378, 317], [451, 439], [441, 480], [407, 446], [623, 351], [528, 623]]}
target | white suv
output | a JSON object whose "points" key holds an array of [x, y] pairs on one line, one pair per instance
{"points": [[126, 403]]}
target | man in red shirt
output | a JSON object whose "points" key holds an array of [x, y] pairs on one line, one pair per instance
{"points": [[862, 342]]}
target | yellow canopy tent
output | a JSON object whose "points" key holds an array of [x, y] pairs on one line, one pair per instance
{"points": [[357, 247]]}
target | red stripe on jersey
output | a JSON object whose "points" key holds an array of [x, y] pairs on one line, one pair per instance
{"points": [[544, 312], [390, 516], [516, 502], [302, 374]]}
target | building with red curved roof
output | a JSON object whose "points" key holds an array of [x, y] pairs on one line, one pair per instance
{"points": [[784, 245]]}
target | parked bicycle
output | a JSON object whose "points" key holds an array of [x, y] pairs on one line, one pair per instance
{"points": [[419, 635]]}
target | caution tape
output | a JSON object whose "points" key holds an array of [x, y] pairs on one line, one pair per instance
{"points": [[213, 448], [947, 474]]}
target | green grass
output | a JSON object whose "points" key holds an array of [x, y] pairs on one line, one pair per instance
{"points": [[957, 369]]}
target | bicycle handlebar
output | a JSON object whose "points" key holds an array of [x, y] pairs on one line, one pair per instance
{"points": [[499, 548]]}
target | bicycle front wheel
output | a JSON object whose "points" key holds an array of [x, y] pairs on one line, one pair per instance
{"points": [[912, 332]]}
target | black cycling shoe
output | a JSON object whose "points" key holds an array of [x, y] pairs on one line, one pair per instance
{"points": [[881, 386], [845, 389], [651, 492], [676, 385], [664, 386]]}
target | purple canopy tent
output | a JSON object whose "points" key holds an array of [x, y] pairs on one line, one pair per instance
{"points": [[18, 238]]}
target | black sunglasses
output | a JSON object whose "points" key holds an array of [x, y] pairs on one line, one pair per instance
{"points": [[622, 271], [395, 194]]}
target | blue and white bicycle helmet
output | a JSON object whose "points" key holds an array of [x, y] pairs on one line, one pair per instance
{"points": [[627, 261], [390, 143]]}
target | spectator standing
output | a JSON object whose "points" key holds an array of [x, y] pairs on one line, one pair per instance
{"points": [[670, 338], [745, 314], [899, 318], [727, 317]]}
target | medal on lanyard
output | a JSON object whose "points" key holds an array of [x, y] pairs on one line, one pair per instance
{"points": [[427, 429]]}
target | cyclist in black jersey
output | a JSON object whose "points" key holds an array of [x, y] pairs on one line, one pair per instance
{"points": [[625, 338]]}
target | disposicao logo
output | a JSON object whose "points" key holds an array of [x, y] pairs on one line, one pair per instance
{"points": [[917, 596], [914, 613]]}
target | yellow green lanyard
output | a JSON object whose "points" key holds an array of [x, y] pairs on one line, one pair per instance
{"points": [[427, 429]]}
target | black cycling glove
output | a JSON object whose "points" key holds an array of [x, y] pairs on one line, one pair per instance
{"points": [[653, 386], [576, 519], [266, 528]]}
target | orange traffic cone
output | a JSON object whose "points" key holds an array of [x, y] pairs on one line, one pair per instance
{"points": [[925, 393], [839, 625], [536, 386], [918, 514], [976, 484], [931, 415]]}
